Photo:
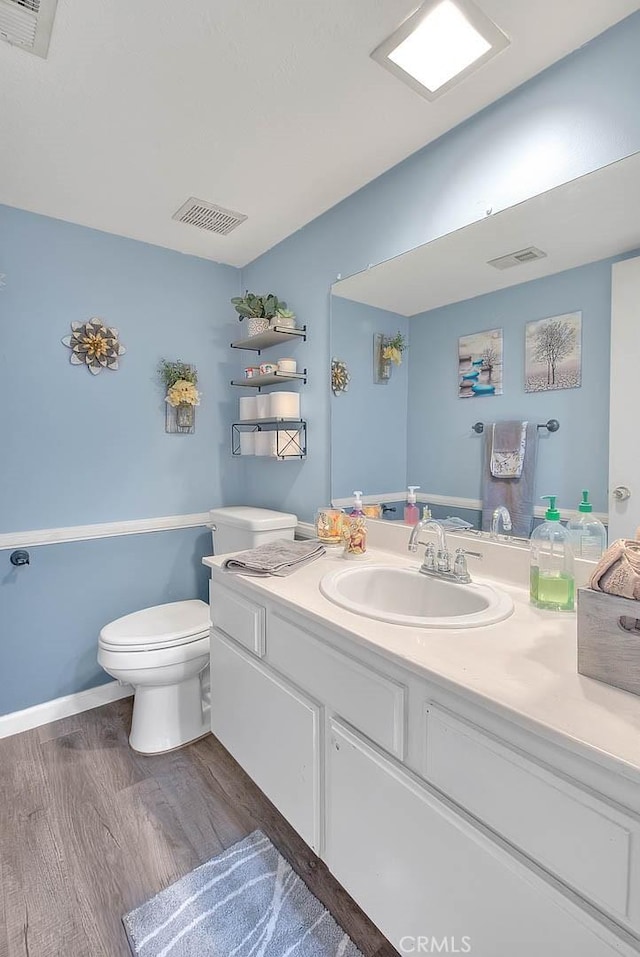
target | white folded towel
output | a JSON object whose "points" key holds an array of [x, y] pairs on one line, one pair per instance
{"points": [[275, 558]]}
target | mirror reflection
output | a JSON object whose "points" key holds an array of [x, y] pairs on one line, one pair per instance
{"points": [[479, 364]]}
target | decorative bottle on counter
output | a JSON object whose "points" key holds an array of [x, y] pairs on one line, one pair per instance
{"points": [[355, 530], [552, 583], [411, 510]]}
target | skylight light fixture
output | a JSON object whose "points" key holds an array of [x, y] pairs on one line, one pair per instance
{"points": [[440, 44]]}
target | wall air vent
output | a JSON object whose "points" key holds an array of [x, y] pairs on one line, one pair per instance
{"points": [[528, 255], [204, 215], [27, 24]]}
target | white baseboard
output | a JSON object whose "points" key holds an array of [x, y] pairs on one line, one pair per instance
{"points": [[49, 711]]}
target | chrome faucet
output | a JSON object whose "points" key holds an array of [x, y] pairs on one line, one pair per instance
{"points": [[425, 523], [500, 514], [437, 564]]}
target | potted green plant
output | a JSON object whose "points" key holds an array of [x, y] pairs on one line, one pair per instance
{"points": [[284, 317], [258, 310]]}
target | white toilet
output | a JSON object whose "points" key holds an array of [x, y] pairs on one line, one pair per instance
{"points": [[163, 652]]}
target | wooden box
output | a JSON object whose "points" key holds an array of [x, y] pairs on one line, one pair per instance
{"points": [[609, 639]]}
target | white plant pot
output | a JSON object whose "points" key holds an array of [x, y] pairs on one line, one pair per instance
{"points": [[257, 326], [284, 322]]}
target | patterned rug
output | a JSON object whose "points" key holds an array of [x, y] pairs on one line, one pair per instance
{"points": [[247, 902]]}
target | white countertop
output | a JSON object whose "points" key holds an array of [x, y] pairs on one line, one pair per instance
{"points": [[525, 665]]}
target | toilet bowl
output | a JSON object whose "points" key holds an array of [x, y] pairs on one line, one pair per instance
{"points": [[163, 652]]}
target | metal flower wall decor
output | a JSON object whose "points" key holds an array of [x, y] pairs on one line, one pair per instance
{"points": [[95, 345], [340, 377]]}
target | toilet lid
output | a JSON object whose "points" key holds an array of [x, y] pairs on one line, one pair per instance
{"points": [[162, 626]]}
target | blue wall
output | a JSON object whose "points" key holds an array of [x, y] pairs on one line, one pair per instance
{"points": [[369, 422], [78, 449], [577, 116], [51, 612], [449, 461]]}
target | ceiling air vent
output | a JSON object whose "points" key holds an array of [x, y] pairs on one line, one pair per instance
{"points": [[27, 24], [216, 219], [528, 255]]}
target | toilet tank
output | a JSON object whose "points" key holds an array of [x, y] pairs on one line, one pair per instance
{"points": [[241, 526]]}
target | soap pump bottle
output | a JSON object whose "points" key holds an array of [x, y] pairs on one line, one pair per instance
{"points": [[552, 583], [588, 535], [411, 510], [355, 535]]}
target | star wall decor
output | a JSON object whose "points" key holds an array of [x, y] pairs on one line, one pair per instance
{"points": [[95, 345]]}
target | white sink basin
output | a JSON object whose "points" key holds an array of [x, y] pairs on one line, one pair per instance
{"points": [[402, 596]]}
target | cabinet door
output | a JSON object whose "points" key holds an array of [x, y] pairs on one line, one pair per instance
{"points": [[424, 874], [271, 730]]}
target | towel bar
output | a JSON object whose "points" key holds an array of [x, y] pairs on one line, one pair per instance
{"points": [[552, 426]]}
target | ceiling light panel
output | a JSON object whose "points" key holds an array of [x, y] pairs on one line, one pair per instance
{"points": [[440, 44]]}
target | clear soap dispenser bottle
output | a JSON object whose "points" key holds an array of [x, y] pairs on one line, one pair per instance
{"points": [[355, 534], [411, 510], [588, 535], [552, 582]]}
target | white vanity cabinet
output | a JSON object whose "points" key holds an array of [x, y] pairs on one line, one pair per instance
{"points": [[420, 869], [272, 730], [437, 828]]}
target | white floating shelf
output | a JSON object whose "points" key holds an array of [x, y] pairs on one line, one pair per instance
{"points": [[274, 378], [272, 337]]}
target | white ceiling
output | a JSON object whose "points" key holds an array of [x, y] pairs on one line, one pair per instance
{"points": [[590, 218], [272, 108]]}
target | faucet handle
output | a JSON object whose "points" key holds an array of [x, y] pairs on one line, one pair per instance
{"points": [[460, 569], [463, 551], [430, 556], [443, 560]]}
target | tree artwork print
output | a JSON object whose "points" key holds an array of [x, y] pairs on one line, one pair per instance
{"points": [[553, 357]]}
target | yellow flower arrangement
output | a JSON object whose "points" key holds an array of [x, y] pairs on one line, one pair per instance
{"points": [[391, 354], [182, 393], [393, 347]]}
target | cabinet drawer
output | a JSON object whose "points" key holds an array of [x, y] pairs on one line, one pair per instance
{"points": [[586, 842], [369, 701], [238, 617]]}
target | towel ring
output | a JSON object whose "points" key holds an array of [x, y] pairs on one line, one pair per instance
{"points": [[551, 426]]}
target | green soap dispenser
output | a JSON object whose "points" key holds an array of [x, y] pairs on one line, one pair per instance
{"points": [[552, 581]]}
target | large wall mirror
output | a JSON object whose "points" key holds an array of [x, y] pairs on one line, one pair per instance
{"points": [[504, 322]]}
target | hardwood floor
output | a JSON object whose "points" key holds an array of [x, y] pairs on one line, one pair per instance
{"points": [[89, 829]]}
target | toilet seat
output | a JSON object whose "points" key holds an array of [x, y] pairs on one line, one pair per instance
{"points": [[161, 626]]}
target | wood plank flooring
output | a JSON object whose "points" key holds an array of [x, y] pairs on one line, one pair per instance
{"points": [[89, 829]]}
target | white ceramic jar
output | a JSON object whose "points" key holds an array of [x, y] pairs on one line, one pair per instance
{"points": [[287, 365]]}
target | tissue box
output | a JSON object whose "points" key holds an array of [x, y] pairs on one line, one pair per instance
{"points": [[609, 639]]}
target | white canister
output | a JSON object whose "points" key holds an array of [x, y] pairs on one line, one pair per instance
{"points": [[265, 443], [288, 444], [263, 406], [285, 405], [247, 443], [287, 365], [248, 408]]}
